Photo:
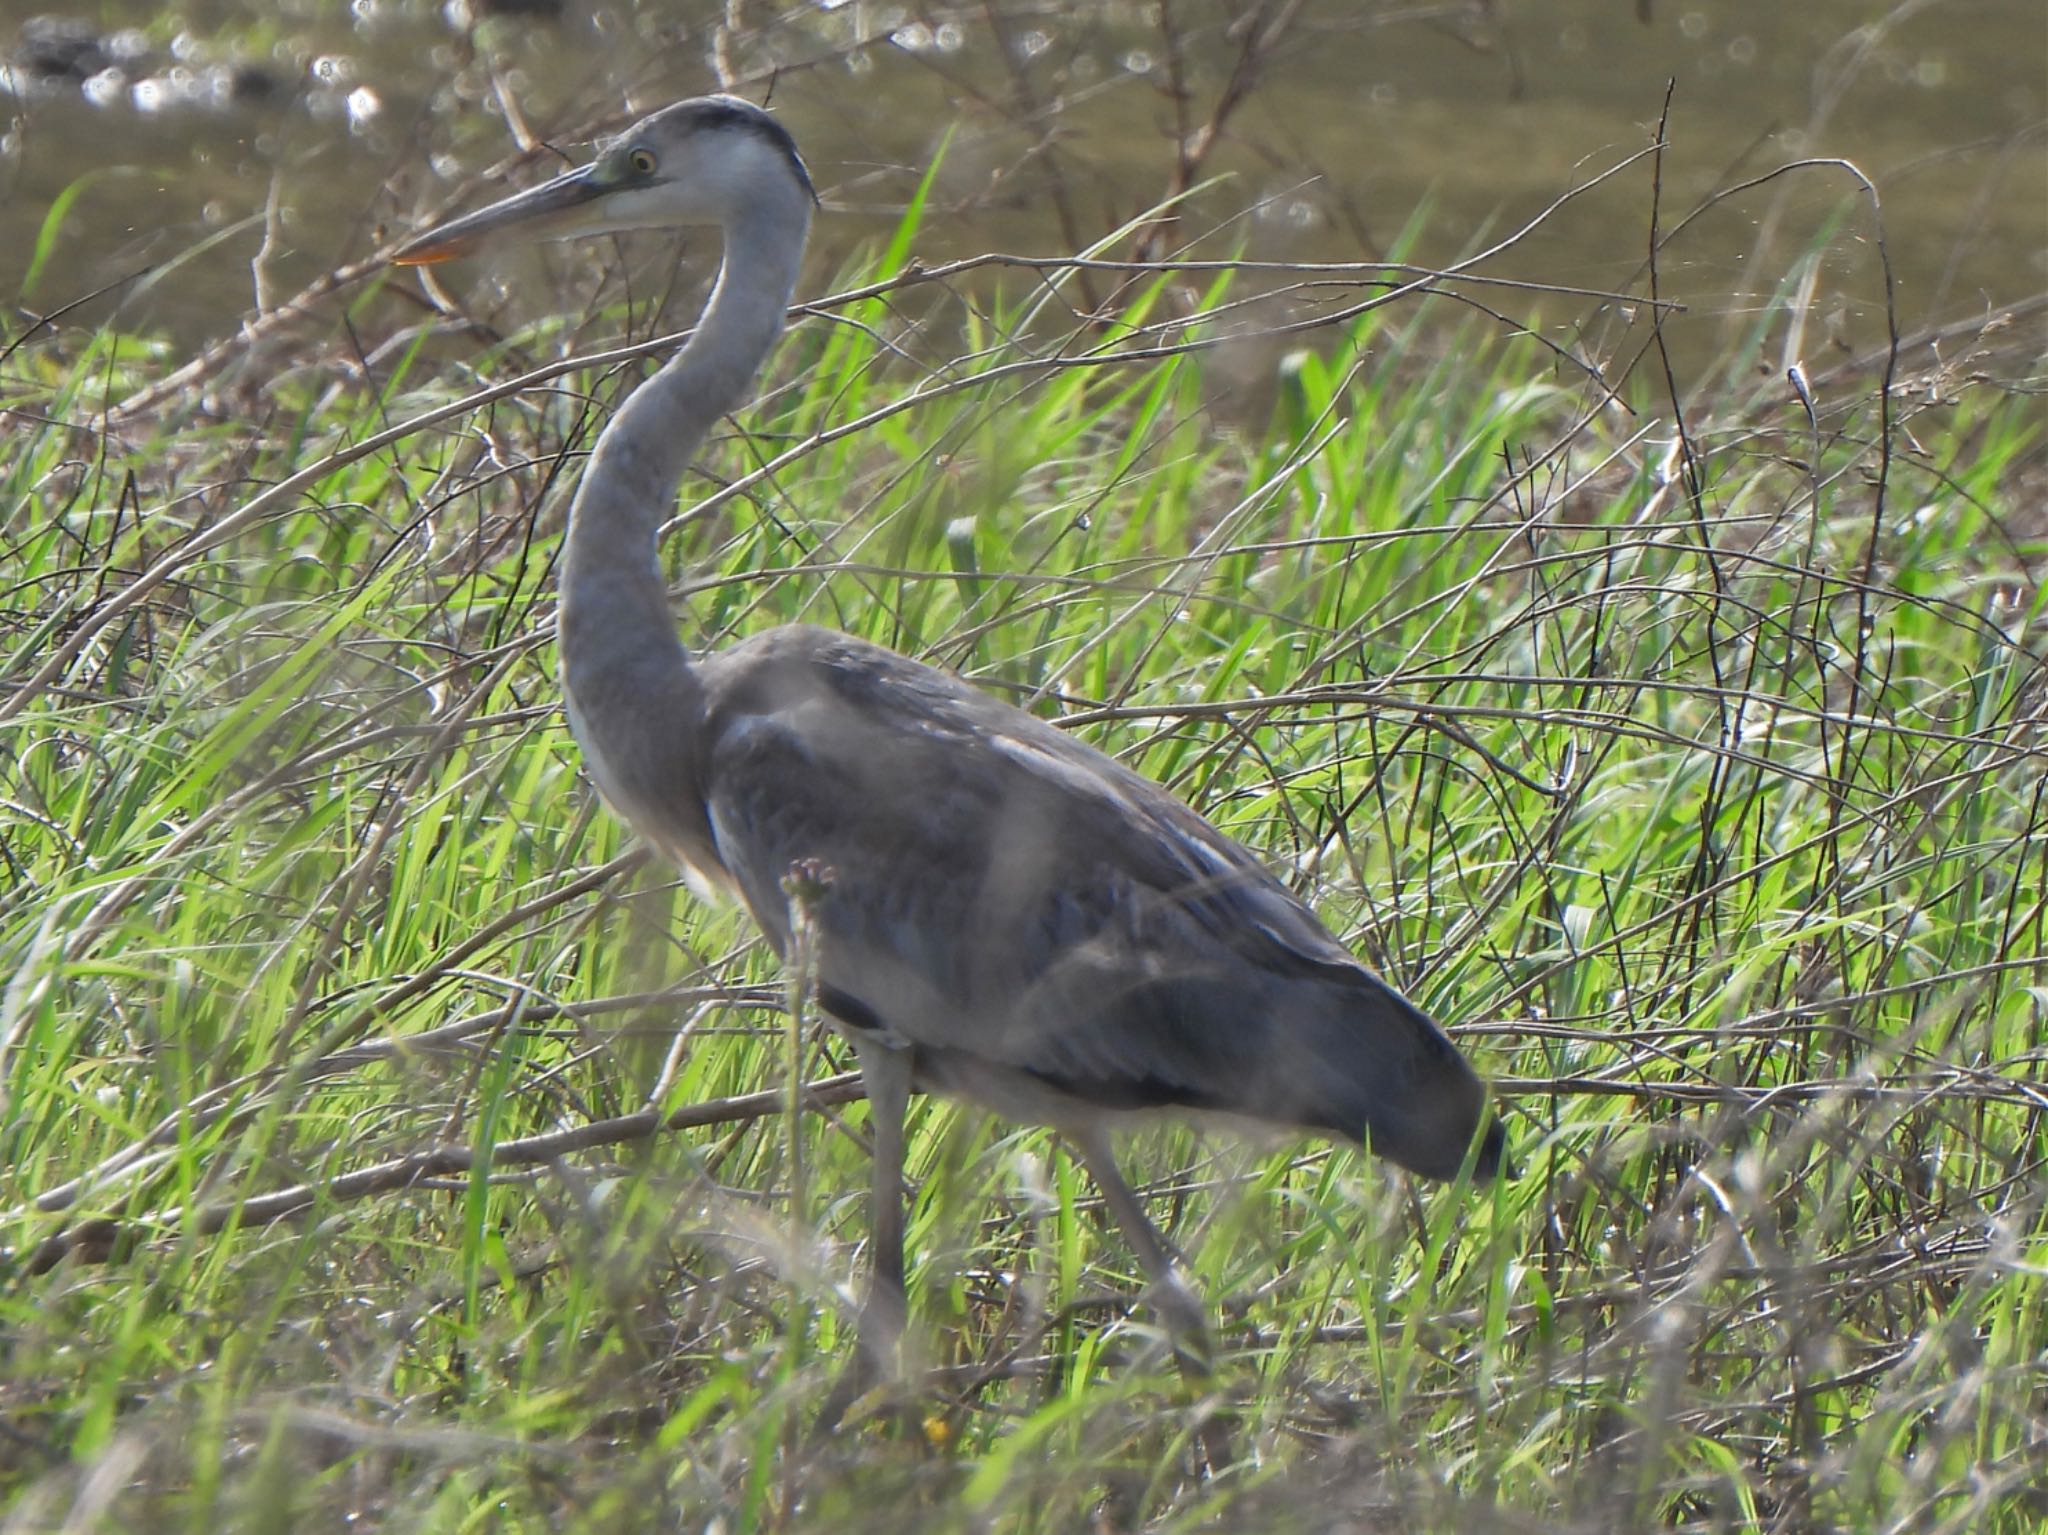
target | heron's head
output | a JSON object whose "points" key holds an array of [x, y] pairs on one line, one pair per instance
{"points": [[704, 161]]}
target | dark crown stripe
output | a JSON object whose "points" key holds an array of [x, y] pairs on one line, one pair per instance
{"points": [[729, 114]]}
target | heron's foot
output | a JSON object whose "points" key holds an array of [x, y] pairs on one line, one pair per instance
{"points": [[865, 1395], [858, 1381], [870, 1377], [1212, 1436], [1185, 1320]]}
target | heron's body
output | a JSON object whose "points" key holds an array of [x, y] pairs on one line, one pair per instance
{"points": [[1036, 927], [1000, 911]]}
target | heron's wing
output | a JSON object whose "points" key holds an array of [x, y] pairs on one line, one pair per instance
{"points": [[995, 888]]}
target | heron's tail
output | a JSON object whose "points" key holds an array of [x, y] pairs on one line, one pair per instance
{"points": [[1375, 1066]]}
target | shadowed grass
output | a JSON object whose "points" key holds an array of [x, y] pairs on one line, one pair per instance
{"points": [[1703, 796]]}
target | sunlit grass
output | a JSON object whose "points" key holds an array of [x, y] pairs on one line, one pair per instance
{"points": [[1727, 865]]}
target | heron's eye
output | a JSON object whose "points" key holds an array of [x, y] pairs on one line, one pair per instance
{"points": [[642, 161]]}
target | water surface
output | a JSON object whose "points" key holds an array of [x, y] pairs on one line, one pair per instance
{"points": [[184, 144]]}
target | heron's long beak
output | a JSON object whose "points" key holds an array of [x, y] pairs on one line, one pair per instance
{"points": [[553, 210]]}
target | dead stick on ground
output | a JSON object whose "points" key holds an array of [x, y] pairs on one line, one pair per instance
{"points": [[96, 1241]]}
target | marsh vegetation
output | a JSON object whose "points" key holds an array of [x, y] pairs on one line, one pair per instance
{"points": [[386, 1144]]}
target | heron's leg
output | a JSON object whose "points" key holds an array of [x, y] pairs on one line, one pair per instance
{"points": [[886, 1073], [1179, 1308]]}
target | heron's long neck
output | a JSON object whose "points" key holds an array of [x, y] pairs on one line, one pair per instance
{"points": [[630, 683]]}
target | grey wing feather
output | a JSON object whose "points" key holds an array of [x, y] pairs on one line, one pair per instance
{"points": [[1003, 893]]}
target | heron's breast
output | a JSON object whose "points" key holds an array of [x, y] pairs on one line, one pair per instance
{"points": [[661, 806]]}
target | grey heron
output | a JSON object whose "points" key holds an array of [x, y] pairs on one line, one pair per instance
{"points": [[998, 911]]}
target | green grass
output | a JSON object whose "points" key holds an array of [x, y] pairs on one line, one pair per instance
{"points": [[1726, 863]]}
